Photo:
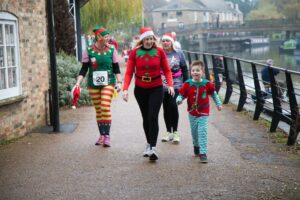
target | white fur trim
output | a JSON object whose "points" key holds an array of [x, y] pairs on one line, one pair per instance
{"points": [[146, 34], [166, 37]]}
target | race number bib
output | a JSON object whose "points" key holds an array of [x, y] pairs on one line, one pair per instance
{"points": [[100, 78]]}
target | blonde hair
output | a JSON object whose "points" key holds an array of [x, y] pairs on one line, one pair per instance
{"points": [[139, 43], [172, 45]]}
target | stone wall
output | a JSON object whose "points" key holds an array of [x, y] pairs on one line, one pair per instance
{"points": [[188, 17], [19, 117]]}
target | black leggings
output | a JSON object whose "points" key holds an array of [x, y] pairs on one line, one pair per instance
{"points": [[171, 114], [149, 101]]}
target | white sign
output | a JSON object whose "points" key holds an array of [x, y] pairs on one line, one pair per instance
{"points": [[100, 78]]}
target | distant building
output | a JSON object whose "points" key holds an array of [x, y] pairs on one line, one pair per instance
{"points": [[180, 14], [226, 12], [188, 14], [149, 6]]}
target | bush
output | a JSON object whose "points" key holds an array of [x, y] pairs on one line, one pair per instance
{"points": [[67, 71]]}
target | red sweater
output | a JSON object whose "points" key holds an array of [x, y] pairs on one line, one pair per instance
{"points": [[147, 63], [197, 95]]}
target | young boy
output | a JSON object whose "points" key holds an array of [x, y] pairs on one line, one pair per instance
{"points": [[196, 90]]}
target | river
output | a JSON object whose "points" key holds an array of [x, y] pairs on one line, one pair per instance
{"points": [[261, 54]]}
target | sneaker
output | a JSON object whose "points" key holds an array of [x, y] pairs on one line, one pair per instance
{"points": [[196, 151], [147, 151], [153, 154], [176, 138], [106, 142], [171, 136], [203, 158], [167, 136], [100, 140]]}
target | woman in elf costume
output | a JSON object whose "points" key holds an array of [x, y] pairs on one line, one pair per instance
{"points": [[100, 60], [146, 61]]}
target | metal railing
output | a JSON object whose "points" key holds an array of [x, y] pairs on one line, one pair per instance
{"points": [[243, 77]]}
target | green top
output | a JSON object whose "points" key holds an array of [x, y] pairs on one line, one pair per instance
{"points": [[100, 61], [197, 84]]}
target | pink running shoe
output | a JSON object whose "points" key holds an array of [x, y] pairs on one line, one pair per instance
{"points": [[100, 140], [106, 142]]}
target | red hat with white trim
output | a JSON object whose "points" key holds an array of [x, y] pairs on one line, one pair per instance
{"points": [[145, 32], [168, 36]]}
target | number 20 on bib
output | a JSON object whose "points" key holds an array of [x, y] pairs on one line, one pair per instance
{"points": [[100, 78]]}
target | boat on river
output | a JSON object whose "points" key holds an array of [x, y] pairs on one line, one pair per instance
{"points": [[255, 42], [289, 46]]}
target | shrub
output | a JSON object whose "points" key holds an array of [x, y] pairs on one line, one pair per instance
{"points": [[67, 71]]}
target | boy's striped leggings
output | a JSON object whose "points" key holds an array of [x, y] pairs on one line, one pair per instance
{"points": [[199, 132]]}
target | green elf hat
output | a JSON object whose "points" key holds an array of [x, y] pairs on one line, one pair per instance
{"points": [[100, 30]]}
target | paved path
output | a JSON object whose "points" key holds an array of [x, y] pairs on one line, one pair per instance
{"points": [[243, 161]]}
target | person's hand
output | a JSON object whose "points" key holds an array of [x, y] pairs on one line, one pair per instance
{"points": [[171, 91], [219, 108], [125, 95], [118, 86], [75, 86]]}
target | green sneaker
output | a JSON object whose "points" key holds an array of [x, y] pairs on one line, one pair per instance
{"points": [[203, 158], [166, 137], [176, 138]]}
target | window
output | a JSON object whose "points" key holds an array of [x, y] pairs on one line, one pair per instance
{"points": [[181, 25], [164, 14], [179, 14], [9, 59]]}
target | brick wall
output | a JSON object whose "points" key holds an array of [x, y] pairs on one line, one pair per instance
{"points": [[17, 119]]}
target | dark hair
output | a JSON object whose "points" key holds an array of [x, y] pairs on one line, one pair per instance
{"points": [[198, 63]]}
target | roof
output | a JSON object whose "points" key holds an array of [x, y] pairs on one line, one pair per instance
{"points": [[151, 5], [197, 5], [182, 6], [217, 5]]}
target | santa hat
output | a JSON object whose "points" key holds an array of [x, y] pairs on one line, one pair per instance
{"points": [[75, 96], [145, 32], [168, 36]]}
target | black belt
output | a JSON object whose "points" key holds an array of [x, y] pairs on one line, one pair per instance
{"points": [[195, 106], [147, 78]]}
